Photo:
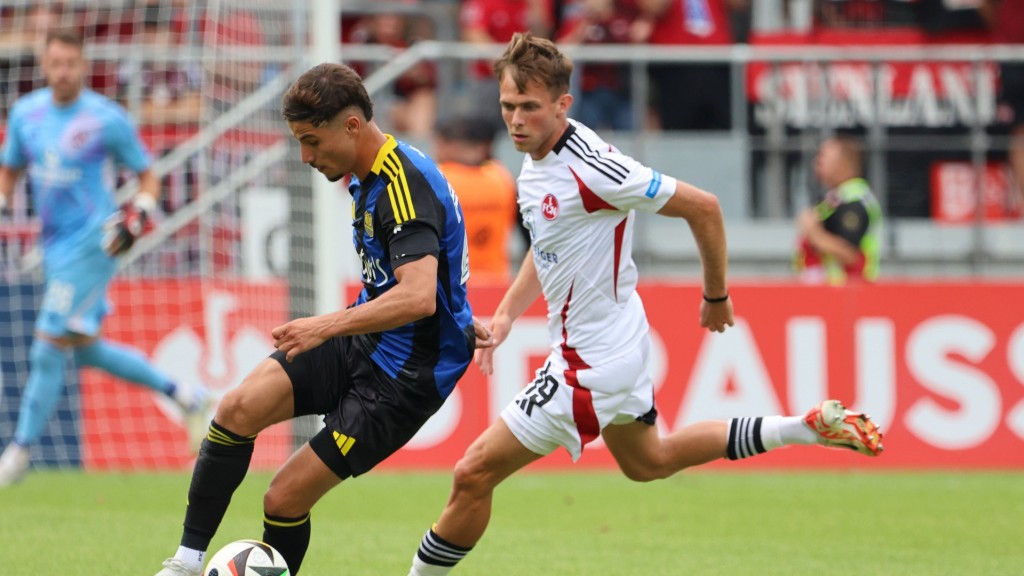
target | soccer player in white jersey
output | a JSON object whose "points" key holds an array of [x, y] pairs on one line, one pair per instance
{"points": [[66, 138], [577, 195]]}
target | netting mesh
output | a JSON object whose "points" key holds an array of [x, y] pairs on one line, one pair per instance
{"points": [[227, 261]]}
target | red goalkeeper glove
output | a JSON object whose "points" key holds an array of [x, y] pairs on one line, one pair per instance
{"points": [[125, 226]]}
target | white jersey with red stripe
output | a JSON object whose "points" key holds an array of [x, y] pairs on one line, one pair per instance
{"points": [[578, 204]]}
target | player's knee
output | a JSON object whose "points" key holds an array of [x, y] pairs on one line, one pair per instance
{"points": [[237, 413], [637, 474], [470, 477], [647, 470], [281, 502]]}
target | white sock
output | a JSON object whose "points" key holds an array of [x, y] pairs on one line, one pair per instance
{"points": [[193, 559], [421, 568], [779, 431]]}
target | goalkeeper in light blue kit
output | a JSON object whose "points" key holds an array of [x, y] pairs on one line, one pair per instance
{"points": [[67, 139]]}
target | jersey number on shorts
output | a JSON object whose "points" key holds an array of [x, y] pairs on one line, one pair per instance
{"points": [[59, 297], [540, 392]]}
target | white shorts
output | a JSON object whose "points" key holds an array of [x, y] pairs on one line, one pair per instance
{"points": [[569, 403]]}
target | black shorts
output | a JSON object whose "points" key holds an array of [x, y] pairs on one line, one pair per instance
{"points": [[368, 414]]}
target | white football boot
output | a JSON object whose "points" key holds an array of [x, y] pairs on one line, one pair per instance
{"points": [[196, 402], [13, 464], [838, 427], [175, 567]]}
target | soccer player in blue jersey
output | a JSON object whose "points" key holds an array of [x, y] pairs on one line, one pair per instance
{"points": [[376, 370], [67, 137]]}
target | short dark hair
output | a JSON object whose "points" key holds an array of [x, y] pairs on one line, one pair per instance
{"points": [[530, 57], [69, 36], [322, 92]]}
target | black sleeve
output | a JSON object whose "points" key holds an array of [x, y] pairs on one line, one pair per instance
{"points": [[416, 239], [849, 222], [416, 230]]}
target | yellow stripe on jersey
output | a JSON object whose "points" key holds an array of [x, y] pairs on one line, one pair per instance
{"points": [[394, 208], [398, 189], [389, 145], [344, 442], [292, 524]]}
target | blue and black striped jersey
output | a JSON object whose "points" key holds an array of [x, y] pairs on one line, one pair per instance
{"points": [[402, 211]]}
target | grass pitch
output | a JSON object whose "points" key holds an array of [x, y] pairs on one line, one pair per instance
{"points": [[697, 523]]}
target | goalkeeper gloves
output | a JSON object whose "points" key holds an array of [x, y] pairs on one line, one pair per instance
{"points": [[125, 226]]}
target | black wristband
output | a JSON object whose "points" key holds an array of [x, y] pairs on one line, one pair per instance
{"points": [[716, 300]]}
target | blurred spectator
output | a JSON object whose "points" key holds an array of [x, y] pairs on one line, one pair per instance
{"points": [[873, 14], [486, 191], [415, 106], [232, 76], [779, 16], [688, 96], [940, 19], [1006, 19], [604, 88], [22, 30], [25, 26], [864, 13], [839, 237], [487, 22], [169, 89]]}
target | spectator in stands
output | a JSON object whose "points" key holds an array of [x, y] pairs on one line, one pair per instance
{"points": [[688, 96], [1006, 19], [777, 16], [486, 191], [604, 88], [487, 22], [870, 14], [415, 92], [22, 30], [839, 237], [169, 90], [231, 79], [944, 21]]}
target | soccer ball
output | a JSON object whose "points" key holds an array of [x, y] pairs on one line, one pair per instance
{"points": [[246, 558]]}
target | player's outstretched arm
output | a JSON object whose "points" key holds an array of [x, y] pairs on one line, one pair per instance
{"points": [[484, 338], [412, 298], [703, 214], [525, 290]]}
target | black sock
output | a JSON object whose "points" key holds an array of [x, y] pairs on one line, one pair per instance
{"points": [[744, 438], [289, 536], [221, 467]]}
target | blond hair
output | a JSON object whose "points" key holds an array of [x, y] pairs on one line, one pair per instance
{"points": [[529, 58]]}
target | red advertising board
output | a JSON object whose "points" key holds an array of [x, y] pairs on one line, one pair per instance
{"points": [[940, 367], [805, 93], [955, 188], [212, 332]]}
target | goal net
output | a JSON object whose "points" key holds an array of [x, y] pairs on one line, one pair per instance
{"points": [[230, 256]]}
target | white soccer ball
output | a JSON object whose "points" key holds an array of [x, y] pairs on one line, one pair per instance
{"points": [[246, 558]]}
